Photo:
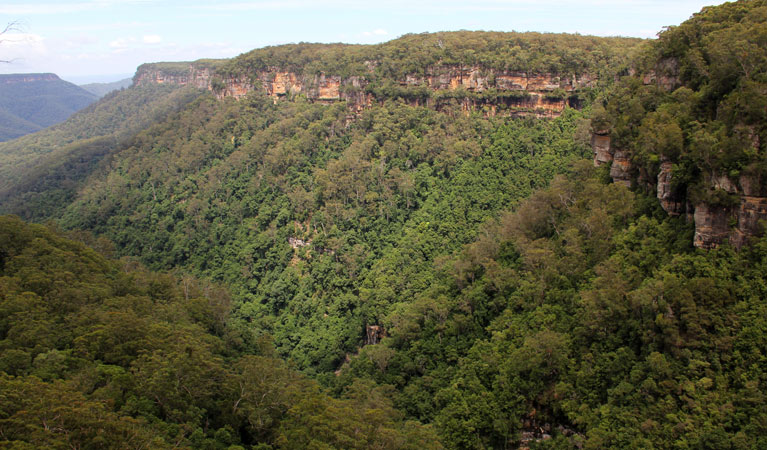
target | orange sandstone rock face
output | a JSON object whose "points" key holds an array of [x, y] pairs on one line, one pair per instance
{"points": [[197, 77], [534, 98], [235, 88], [284, 82], [28, 78], [328, 88], [711, 226], [714, 224], [620, 171]]}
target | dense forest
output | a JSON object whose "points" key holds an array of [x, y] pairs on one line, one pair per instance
{"points": [[267, 274], [40, 173], [100, 353], [697, 104], [33, 101], [415, 54]]}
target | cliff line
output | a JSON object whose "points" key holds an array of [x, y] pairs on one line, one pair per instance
{"points": [[495, 92], [736, 219]]}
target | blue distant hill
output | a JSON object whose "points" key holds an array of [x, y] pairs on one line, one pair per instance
{"points": [[102, 89], [33, 101]]}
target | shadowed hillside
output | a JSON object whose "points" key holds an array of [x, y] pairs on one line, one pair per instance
{"points": [[31, 102]]}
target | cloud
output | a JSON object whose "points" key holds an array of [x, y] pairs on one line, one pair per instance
{"points": [[44, 8], [20, 48], [26, 9], [122, 43], [266, 5], [152, 39], [125, 43], [15, 42], [103, 26], [376, 32]]}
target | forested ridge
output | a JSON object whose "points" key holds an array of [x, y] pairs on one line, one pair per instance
{"points": [[33, 101], [691, 122], [40, 173], [415, 54], [291, 275]]}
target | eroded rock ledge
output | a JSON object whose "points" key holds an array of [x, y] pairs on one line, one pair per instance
{"points": [[715, 224], [515, 93]]}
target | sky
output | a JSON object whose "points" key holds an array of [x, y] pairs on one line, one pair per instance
{"points": [[105, 40]]}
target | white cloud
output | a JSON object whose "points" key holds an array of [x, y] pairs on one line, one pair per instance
{"points": [[21, 43], [22, 50], [44, 8], [376, 32], [152, 39], [263, 5], [122, 43], [25, 9], [110, 26]]}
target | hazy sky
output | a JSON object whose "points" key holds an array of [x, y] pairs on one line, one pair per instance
{"points": [[105, 40]]}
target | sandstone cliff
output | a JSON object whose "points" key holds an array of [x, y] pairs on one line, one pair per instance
{"points": [[513, 93], [715, 223]]}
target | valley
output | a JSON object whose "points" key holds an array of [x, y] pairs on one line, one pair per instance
{"points": [[460, 240]]}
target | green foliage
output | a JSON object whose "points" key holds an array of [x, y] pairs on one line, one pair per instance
{"points": [[697, 98], [179, 68], [513, 292], [97, 353], [102, 89], [418, 54], [40, 173], [221, 189], [578, 315]]}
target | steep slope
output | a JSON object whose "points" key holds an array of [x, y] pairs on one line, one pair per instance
{"points": [[102, 89], [690, 123], [301, 203], [583, 319], [303, 206], [31, 102], [507, 73], [292, 206], [98, 353], [366, 207], [40, 173]]}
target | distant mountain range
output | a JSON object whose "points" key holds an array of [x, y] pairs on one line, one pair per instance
{"points": [[31, 102], [102, 89]]}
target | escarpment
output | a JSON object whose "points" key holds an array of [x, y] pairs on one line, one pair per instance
{"points": [[475, 88], [495, 73], [28, 78], [729, 208], [688, 123]]}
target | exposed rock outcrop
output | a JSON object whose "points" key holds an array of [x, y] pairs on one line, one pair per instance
{"points": [[373, 334], [671, 202], [620, 171], [514, 93], [751, 214], [714, 223], [737, 222], [665, 74], [604, 153], [600, 143], [711, 225]]}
